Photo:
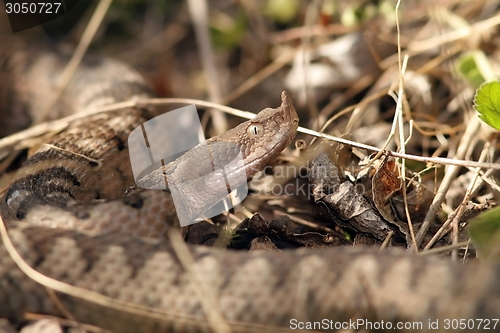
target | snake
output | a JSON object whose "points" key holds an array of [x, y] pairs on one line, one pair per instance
{"points": [[107, 248]]}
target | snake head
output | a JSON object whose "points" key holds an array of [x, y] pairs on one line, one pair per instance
{"points": [[204, 175], [262, 138]]}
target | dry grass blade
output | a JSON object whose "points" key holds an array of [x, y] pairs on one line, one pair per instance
{"points": [[205, 293], [258, 77], [69, 323], [66, 288], [77, 57], [450, 175], [452, 36], [445, 248], [132, 308], [198, 10], [315, 226], [455, 216]]}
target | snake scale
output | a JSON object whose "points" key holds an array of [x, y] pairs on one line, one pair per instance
{"points": [[61, 195]]}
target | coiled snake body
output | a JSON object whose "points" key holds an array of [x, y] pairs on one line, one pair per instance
{"points": [[63, 195]]}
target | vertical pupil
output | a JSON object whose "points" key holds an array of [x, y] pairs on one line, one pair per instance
{"points": [[255, 130]]}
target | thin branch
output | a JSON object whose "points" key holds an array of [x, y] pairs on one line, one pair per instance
{"points": [[63, 122]]}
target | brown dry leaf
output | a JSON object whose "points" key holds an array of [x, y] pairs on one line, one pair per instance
{"points": [[344, 202], [385, 183]]}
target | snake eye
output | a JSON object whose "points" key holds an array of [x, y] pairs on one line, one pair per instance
{"points": [[255, 130]]}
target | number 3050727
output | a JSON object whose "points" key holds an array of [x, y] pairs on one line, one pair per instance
{"points": [[32, 7]]}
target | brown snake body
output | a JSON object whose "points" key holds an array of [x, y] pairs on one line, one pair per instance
{"points": [[66, 222]]}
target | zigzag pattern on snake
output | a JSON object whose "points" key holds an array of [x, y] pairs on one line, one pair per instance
{"points": [[60, 203]]}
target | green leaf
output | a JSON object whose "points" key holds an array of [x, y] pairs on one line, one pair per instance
{"points": [[484, 231], [475, 68], [227, 32], [282, 11], [487, 103], [468, 68]]}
